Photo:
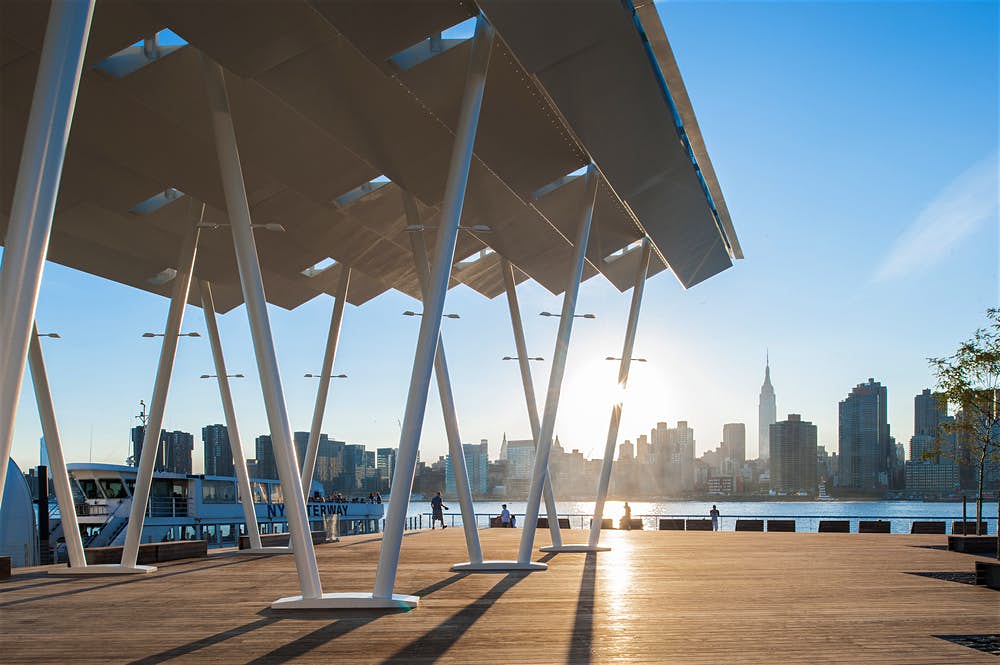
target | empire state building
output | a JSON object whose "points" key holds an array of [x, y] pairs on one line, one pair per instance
{"points": [[767, 414]]}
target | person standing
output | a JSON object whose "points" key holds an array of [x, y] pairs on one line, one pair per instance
{"points": [[437, 508], [627, 518], [714, 514], [505, 516]]}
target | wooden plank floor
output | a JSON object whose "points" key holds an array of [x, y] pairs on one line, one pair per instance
{"points": [[657, 597]]}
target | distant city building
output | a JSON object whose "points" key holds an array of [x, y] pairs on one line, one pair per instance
{"points": [[138, 433], [218, 454], [520, 460], [177, 451], [867, 454], [767, 413], [385, 462], [267, 469], [626, 451], [793, 455], [476, 465], [734, 447]]}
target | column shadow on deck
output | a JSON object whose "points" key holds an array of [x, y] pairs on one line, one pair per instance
{"points": [[583, 624]]}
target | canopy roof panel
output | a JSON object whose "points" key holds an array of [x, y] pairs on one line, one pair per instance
{"points": [[332, 131]]}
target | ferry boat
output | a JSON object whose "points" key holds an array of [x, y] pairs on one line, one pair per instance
{"points": [[186, 507]]}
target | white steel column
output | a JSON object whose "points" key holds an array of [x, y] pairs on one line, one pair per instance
{"points": [[616, 410], [430, 322], [462, 486], [521, 347], [34, 201], [158, 403], [232, 428], [544, 444], [251, 279], [57, 461], [329, 356]]}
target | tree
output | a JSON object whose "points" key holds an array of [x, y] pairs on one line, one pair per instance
{"points": [[969, 382]]}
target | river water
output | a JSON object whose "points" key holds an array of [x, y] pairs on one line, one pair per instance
{"points": [[806, 513]]}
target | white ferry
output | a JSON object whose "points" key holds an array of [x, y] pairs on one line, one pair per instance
{"points": [[186, 507]]}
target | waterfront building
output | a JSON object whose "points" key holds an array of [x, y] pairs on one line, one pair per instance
{"points": [[520, 458], [177, 451], [626, 451], [385, 461], [793, 455], [734, 447], [476, 465], [266, 466], [767, 413], [138, 434], [218, 454], [867, 455]]}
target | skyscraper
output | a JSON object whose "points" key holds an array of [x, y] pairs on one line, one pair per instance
{"points": [[138, 434], [734, 447], [767, 413], [218, 454], [476, 465], [385, 461], [267, 468], [177, 448], [793, 455], [867, 455]]}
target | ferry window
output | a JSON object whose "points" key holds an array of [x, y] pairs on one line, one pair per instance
{"points": [[113, 488], [276, 495], [218, 491], [259, 492], [89, 488]]}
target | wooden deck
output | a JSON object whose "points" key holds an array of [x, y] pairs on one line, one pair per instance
{"points": [[657, 597]]}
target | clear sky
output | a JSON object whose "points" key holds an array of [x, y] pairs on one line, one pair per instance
{"points": [[856, 146]]}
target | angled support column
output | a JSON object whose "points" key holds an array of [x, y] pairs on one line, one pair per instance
{"points": [[529, 391], [158, 403], [232, 428], [616, 411], [34, 202], [57, 462], [252, 282], [544, 444], [329, 356], [455, 449]]}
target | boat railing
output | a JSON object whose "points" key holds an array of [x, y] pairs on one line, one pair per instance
{"points": [[168, 506], [91, 509]]}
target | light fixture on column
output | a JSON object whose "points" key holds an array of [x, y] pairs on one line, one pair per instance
{"points": [[52, 335], [575, 316], [269, 226], [228, 376], [320, 376], [187, 334], [447, 316], [518, 358], [634, 359]]}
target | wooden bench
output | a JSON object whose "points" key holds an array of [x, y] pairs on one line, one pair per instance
{"points": [[606, 523], [781, 525], [671, 525], [988, 574], [749, 525], [698, 525], [970, 528], [150, 553], [928, 527], [497, 523], [634, 524], [280, 539], [4, 567], [973, 544], [834, 526], [874, 526], [543, 522]]}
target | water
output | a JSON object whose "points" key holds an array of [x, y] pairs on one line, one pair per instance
{"points": [[806, 513]]}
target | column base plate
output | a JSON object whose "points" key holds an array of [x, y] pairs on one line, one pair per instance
{"points": [[498, 566], [347, 601], [104, 569]]}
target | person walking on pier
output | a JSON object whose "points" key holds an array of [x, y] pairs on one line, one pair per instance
{"points": [[437, 505], [714, 514], [505, 516]]}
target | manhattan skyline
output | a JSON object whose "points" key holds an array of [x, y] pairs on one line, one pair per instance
{"points": [[860, 263]]}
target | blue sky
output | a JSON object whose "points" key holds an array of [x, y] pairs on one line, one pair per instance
{"points": [[856, 145]]}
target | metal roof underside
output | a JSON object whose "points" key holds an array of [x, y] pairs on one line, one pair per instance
{"points": [[320, 110]]}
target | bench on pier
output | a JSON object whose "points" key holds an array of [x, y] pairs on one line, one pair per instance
{"points": [[497, 523], [973, 544], [781, 525], [988, 574], [150, 553], [4, 567], [280, 539], [928, 527], [749, 525], [970, 528], [671, 525], [606, 523], [634, 524], [543, 522], [834, 526], [874, 526], [698, 525]]}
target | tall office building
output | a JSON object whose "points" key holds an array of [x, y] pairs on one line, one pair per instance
{"points": [[385, 461], [678, 456], [177, 448], [767, 413], [867, 454], [520, 459], [734, 447], [626, 452], [267, 468], [138, 434], [218, 454], [476, 465], [793, 455]]}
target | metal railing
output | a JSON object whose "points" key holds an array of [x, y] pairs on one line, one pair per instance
{"points": [[168, 506]]}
